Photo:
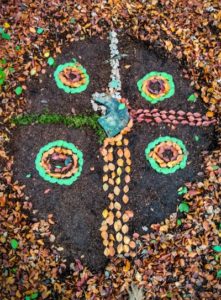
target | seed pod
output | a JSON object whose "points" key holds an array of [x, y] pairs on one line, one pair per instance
{"points": [[110, 219], [104, 151], [127, 178], [130, 213], [104, 222], [126, 240], [118, 180], [119, 171], [105, 187], [103, 227], [105, 243], [120, 152], [111, 237], [132, 244], [111, 196], [119, 237], [125, 218], [113, 175], [116, 191], [126, 142], [126, 153], [106, 251], [104, 235], [128, 161], [119, 143], [125, 199], [111, 181], [105, 178], [118, 137], [126, 249], [110, 156], [125, 229], [128, 169], [120, 248], [105, 168], [111, 251], [111, 244], [126, 189], [111, 166], [117, 225], [118, 214], [120, 162], [105, 159], [133, 254], [117, 205], [105, 213], [111, 206]]}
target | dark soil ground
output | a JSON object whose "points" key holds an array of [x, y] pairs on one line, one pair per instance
{"points": [[44, 94], [153, 196], [78, 208], [138, 58]]}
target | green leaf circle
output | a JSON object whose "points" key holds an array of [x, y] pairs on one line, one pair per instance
{"points": [[61, 181], [66, 88], [153, 162], [165, 76]]}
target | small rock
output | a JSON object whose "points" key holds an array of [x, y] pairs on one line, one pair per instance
{"points": [[52, 238], [44, 101]]}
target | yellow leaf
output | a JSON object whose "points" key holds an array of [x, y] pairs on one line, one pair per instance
{"points": [[119, 237], [117, 205], [105, 213], [32, 30], [125, 199], [105, 187], [138, 276], [6, 25], [210, 114], [10, 280], [117, 225], [126, 268], [169, 45], [47, 54], [120, 248], [125, 230], [126, 240], [116, 191]]}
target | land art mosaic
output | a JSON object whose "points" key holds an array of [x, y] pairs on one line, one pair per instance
{"points": [[61, 162]]}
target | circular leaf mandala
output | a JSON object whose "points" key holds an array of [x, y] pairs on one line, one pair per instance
{"points": [[71, 77], [59, 162], [166, 154], [156, 86]]}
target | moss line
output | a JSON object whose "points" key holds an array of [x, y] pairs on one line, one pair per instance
{"points": [[78, 121]]}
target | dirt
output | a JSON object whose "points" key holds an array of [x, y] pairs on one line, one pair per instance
{"points": [[154, 196], [44, 95], [139, 58], [78, 208]]}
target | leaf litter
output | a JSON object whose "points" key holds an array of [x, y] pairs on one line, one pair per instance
{"points": [[180, 258]]}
